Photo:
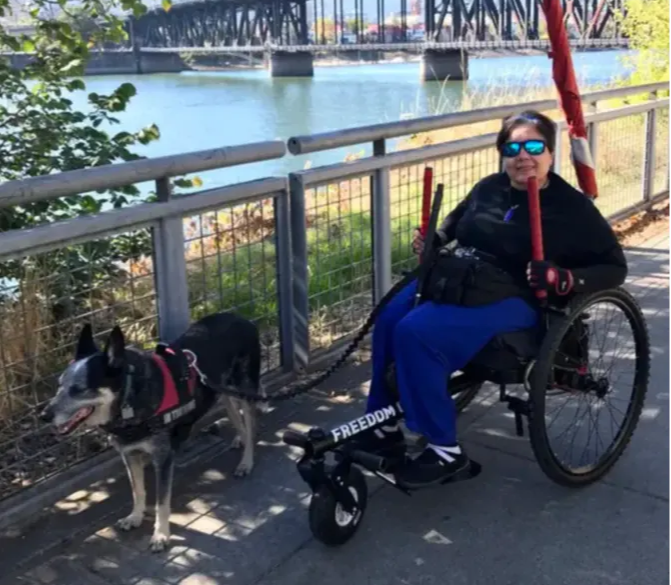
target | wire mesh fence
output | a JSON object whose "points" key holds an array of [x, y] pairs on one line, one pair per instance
{"points": [[619, 157], [45, 300], [339, 254], [231, 265], [619, 163], [458, 174]]}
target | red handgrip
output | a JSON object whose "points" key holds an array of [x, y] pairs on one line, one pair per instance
{"points": [[537, 252], [426, 200]]}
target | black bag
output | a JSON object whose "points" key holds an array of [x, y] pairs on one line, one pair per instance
{"points": [[468, 281]]}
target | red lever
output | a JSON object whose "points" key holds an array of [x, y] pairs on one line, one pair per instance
{"points": [[426, 204], [537, 252], [426, 200]]}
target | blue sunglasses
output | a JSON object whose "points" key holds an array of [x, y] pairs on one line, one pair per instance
{"points": [[533, 147]]}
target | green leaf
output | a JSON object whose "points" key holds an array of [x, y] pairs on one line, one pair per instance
{"points": [[184, 183], [28, 46], [167, 5], [75, 84]]}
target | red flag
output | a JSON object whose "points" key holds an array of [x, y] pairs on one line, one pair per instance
{"points": [[569, 97]]}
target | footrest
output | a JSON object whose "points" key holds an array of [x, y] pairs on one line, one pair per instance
{"points": [[472, 470]]}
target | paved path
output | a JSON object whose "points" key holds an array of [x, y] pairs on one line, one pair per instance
{"points": [[510, 526]]}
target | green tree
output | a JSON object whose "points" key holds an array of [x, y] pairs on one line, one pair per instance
{"points": [[42, 132], [646, 23]]}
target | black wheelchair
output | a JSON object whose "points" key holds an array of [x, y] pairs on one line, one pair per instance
{"points": [[554, 359]]}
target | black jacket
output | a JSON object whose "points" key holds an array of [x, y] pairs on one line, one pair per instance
{"points": [[575, 234]]}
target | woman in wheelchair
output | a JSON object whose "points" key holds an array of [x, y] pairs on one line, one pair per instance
{"points": [[480, 286]]}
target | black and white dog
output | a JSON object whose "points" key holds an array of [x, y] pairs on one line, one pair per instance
{"points": [[148, 402]]}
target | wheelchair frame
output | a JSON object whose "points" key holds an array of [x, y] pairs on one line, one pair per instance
{"points": [[339, 488]]}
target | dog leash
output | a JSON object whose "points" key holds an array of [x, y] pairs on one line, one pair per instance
{"points": [[418, 273], [125, 424], [155, 424], [307, 386]]}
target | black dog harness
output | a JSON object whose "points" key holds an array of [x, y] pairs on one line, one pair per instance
{"points": [[180, 374]]}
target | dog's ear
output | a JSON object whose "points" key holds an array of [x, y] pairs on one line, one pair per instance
{"points": [[115, 349], [86, 346]]}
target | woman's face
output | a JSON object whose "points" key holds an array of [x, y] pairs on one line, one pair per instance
{"points": [[522, 165]]}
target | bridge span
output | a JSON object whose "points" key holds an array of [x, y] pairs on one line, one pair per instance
{"points": [[290, 32], [295, 22], [440, 60]]}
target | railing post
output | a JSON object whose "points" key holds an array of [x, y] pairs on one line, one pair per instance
{"points": [[172, 290], [649, 156], [284, 280], [299, 253], [593, 134], [381, 226]]}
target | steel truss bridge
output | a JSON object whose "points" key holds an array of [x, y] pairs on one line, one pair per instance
{"points": [[253, 23]]}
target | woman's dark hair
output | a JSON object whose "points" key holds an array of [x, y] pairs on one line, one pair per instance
{"points": [[543, 124]]}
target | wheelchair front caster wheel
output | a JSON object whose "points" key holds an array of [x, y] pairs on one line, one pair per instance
{"points": [[330, 521]]}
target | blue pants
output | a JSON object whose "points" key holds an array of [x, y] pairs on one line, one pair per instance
{"points": [[429, 343]]}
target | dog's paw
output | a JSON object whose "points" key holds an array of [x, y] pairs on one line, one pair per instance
{"points": [[129, 522], [243, 469], [237, 442], [159, 542]]}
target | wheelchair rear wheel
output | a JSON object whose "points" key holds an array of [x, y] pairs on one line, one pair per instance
{"points": [[573, 363]]}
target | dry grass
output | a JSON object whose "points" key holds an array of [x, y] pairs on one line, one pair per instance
{"points": [[38, 332]]}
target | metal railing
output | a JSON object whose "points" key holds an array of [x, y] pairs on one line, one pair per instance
{"points": [[305, 257]]}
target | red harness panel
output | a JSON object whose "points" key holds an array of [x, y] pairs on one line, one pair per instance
{"points": [[170, 395]]}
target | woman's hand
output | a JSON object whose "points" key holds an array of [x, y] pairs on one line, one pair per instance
{"points": [[547, 276], [418, 243]]}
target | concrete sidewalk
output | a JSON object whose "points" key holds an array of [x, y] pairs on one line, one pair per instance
{"points": [[510, 526]]}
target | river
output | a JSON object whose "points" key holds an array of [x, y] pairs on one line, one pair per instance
{"points": [[200, 110]]}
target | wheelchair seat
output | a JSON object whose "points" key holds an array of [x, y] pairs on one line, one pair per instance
{"points": [[505, 357]]}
